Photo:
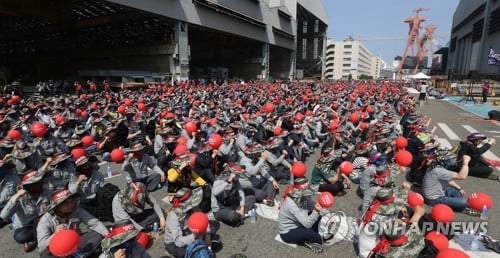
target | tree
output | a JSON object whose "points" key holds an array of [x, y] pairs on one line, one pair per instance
{"points": [[365, 77], [350, 77]]}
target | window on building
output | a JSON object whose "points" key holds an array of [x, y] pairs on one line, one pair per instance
{"points": [[304, 27], [304, 48], [316, 26], [347, 53], [315, 54], [347, 59], [347, 46], [494, 25], [346, 65]]}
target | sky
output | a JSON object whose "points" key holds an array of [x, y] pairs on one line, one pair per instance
{"points": [[385, 18]]}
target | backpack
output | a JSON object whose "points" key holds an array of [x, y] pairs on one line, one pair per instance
{"points": [[198, 249], [104, 198]]}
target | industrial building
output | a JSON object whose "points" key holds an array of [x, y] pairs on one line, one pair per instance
{"points": [[475, 30], [349, 59], [154, 40]]}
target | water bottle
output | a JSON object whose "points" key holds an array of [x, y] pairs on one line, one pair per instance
{"points": [[484, 213], [474, 245], [110, 173], [253, 216], [156, 231]]}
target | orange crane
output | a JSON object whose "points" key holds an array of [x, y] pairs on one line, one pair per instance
{"points": [[413, 42]]}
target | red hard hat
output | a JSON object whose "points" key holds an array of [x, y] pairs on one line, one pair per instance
{"points": [[117, 155], [64, 243], [442, 213], [299, 169], [198, 223], [401, 142], [87, 140], [215, 141], [141, 107], [38, 129], [182, 140], [326, 200], [478, 200], [191, 127], [121, 109], [268, 107], [354, 118], [346, 167], [78, 152], [180, 148], [403, 158], [452, 253], [14, 134], [415, 199], [439, 240], [60, 120], [277, 131]]}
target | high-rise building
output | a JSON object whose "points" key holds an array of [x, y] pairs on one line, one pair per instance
{"points": [[161, 40], [378, 64], [348, 59], [475, 31]]}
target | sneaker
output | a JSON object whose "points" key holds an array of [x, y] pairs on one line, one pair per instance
{"points": [[315, 247], [30, 246], [472, 212], [268, 202]]}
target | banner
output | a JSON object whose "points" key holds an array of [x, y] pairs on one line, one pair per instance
{"points": [[494, 58]]}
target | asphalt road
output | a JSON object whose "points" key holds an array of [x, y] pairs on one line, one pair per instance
{"points": [[257, 240]]}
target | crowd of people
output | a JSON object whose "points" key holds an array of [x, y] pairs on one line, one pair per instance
{"points": [[217, 150]]}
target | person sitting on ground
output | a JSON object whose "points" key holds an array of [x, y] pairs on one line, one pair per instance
{"points": [[86, 181], [479, 167], [177, 235], [439, 186], [326, 176], [26, 206], [296, 224], [230, 204], [130, 204], [64, 213], [59, 172], [181, 175], [137, 164], [121, 242]]}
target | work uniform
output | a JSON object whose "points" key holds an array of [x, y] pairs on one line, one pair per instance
{"points": [[87, 189], [138, 171], [143, 218]]}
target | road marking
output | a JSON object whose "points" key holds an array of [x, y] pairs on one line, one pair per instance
{"points": [[493, 131], [447, 130], [444, 143], [470, 129]]}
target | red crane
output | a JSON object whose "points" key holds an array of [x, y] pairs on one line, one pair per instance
{"points": [[413, 43]]}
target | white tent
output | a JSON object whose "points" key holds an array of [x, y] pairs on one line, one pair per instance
{"points": [[420, 76]]}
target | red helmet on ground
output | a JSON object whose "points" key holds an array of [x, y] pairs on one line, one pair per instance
{"points": [[401, 142], [439, 240], [478, 200], [442, 213], [14, 134], [346, 167], [415, 199]]}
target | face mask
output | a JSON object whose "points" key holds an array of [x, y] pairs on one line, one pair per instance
{"points": [[34, 189]]}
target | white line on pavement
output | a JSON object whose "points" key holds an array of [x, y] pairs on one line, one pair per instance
{"points": [[446, 129], [470, 129], [444, 143]]}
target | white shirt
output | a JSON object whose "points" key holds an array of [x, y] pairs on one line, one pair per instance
{"points": [[423, 88]]}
